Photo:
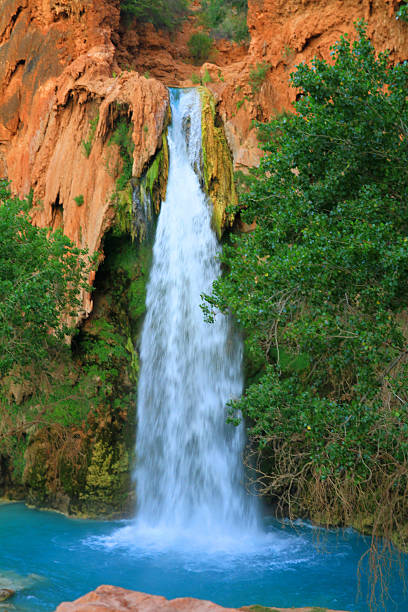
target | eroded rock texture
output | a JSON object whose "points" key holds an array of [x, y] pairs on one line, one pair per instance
{"points": [[66, 64], [283, 34], [115, 599], [61, 94]]}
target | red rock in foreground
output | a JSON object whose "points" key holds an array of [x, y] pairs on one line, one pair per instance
{"points": [[115, 599]]}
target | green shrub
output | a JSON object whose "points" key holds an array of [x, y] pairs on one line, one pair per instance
{"points": [[257, 76], [226, 18], [195, 79], [88, 143], [167, 14], [79, 200], [402, 13], [200, 45], [41, 275]]}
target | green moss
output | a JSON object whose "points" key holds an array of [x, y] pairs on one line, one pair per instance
{"points": [[107, 478], [157, 175], [217, 164], [88, 143], [150, 188], [124, 210]]}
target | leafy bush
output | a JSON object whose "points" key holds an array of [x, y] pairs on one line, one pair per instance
{"points": [[226, 18], [402, 12], [320, 288], [200, 45], [257, 76], [167, 14], [40, 278], [79, 200]]}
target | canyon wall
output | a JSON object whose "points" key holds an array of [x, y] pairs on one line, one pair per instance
{"points": [[69, 68], [61, 96]]}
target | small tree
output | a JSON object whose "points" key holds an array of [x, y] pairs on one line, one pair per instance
{"points": [[41, 275], [200, 45], [167, 14]]}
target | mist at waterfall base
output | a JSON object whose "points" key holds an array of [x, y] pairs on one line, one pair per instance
{"points": [[197, 531]]}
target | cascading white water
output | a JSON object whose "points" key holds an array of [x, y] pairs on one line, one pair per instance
{"points": [[189, 474]]}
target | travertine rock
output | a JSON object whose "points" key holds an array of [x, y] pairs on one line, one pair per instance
{"points": [[57, 74], [115, 599], [64, 61], [285, 33]]}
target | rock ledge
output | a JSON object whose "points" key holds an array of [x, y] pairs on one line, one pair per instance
{"points": [[115, 599]]}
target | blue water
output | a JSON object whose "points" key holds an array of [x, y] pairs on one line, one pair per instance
{"points": [[52, 559]]}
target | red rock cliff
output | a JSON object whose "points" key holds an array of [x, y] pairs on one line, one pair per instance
{"points": [[67, 63], [283, 34], [57, 75]]}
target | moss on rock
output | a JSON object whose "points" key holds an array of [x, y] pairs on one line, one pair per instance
{"points": [[217, 164], [76, 453]]}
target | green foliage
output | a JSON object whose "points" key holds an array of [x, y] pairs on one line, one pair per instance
{"points": [[40, 278], [242, 181], [257, 76], [402, 13], [195, 79], [320, 288], [88, 143], [79, 200], [122, 137], [226, 18], [206, 77], [81, 416], [200, 45], [167, 14]]}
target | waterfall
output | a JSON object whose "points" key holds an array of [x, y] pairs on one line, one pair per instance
{"points": [[189, 473]]}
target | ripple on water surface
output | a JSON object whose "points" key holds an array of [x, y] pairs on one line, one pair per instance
{"points": [[51, 559]]}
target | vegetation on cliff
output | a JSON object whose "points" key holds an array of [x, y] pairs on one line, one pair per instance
{"points": [[67, 412], [226, 18], [67, 436], [41, 275], [168, 14], [320, 288], [223, 18]]}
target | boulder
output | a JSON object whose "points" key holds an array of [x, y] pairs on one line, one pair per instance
{"points": [[6, 594], [115, 599]]}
